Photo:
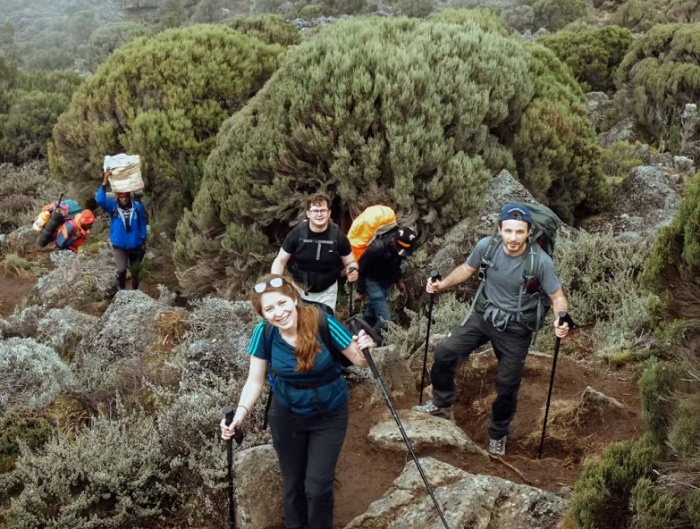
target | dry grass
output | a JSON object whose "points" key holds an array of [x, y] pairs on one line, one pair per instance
{"points": [[171, 328], [15, 265], [566, 417]]}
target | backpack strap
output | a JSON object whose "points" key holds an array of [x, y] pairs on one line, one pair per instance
{"points": [[485, 264], [267, 341]]}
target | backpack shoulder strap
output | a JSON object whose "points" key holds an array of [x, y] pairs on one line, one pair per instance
{"points": [[325, 332], [267, 342], [532, 263]]}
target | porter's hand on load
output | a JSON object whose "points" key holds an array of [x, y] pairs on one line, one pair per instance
{"points": [[364, 341], [560, 330]]}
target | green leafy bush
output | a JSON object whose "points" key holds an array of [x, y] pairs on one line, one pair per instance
{"points": [[30, 104], [271, 29], [556, 149], [23, 191], [555, 14], [636, 15], [617, 160], [602, 493], [659, 75], [484, 18], [105, 39], [653, 509], [416, 113], [592, 54], [112, 474], [415, 8], [21, 424], [657, 385], [677, 246], [163, 98], [518, 17], [683, 11], [310, 11]]}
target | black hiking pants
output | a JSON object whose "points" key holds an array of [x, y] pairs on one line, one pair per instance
{"points": [[308, 449], [510, 346]]}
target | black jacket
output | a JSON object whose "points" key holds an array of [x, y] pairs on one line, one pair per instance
{"points": [[380, 263]]}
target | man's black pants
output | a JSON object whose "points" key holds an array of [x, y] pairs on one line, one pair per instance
{"points": [[511, 347], [308, 449]]}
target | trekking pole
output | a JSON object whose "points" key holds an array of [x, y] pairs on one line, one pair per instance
{"points": [[238, 436], [355, 327], [351, 288], [434, 276], [563, 318]]}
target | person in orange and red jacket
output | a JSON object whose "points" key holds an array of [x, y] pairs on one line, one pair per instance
{"points": [[73, 232]]}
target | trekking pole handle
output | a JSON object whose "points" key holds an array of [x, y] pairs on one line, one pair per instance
{"points": [[434, 275], [562, 317], [228, 412], [565, 317]]}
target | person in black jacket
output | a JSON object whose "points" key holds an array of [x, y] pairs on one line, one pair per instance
{"points": [[317, 251], [381, 266]]}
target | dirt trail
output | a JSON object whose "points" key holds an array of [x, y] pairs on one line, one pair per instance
{"points": [[364, 473]]}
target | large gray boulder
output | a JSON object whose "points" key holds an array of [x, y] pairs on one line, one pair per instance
{"points": [[258, 488], [468, 501], [77, 280], [646, 201], [424, 431]]}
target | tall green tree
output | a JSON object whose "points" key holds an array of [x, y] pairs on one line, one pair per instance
{"points": [[416, 114], [163, 98]]}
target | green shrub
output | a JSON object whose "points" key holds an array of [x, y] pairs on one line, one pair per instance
{"points": [[592, 54], [656, 386], [113, 474], [310, 11], [602, 492], [24, 190], [105, 39], [677, 246], [659, 75], [410, 112], [693, 506], [518, 17], [486, 19], [653, 509], [555, 14], [556, 149], [20, 424], [271, 29], [684, 433], [617, 160], [415, 8], [163, 98], [636, 15], [683, 11]]}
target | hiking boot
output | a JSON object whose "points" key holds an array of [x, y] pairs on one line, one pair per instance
{"points": [[432, 409], [121, 280], [498, 446]]}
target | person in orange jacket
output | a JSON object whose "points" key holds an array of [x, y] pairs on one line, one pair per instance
{"points": [[73, 232]]}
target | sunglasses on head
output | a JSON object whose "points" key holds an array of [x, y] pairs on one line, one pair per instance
{"points": [[275, 282]]}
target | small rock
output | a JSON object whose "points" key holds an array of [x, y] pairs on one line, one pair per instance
{"points": [[594, 398], [258, 488]]}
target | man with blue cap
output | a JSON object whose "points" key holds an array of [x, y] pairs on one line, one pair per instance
{"points": [[499, 312]]}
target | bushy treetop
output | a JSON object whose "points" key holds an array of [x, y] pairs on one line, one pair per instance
{"points": [[163, 98], [592, 54], [267, 27], [416, 114], [659, 75]]}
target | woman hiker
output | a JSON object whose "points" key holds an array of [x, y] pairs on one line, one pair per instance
{"points": [[309, 412]]}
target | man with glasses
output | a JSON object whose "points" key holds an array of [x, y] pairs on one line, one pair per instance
{"points": [[497, 318], [317, 251]]}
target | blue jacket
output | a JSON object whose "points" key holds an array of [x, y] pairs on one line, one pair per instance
{"points": [[120, 238]]}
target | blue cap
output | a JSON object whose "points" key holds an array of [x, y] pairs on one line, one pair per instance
{"points": [[515, 212]]}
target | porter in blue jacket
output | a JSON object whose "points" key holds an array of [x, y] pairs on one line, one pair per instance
{"points": [[127, 231]]}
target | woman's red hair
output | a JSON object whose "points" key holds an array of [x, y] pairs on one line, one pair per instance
{"points": [[307, 346]]}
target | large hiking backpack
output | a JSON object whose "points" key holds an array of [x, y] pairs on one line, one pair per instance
{"points": [[58, 212], [373, 222], [545, 225]]}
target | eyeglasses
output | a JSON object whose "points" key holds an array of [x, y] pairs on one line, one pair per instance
{"points": [[275, 282], [318, 211]]}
